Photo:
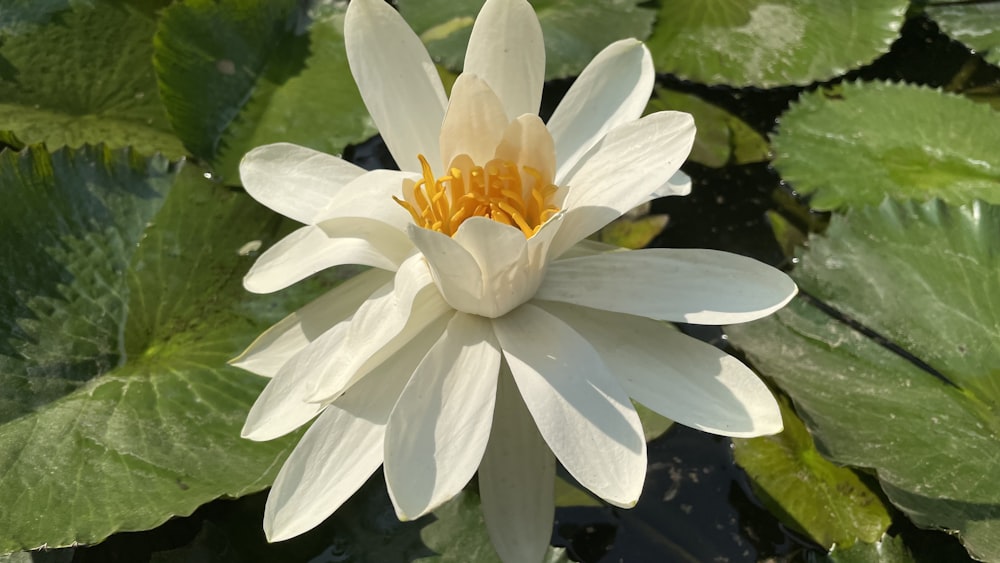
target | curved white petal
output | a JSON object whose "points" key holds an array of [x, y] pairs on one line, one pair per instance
{"points": [[516, 479], [614, 89], [370, 196], [671, 284], [397, 79], [528, 143], [582, 412], [630, 163], [383, 324], [438, 430], [682, 378], [295, 181], [278, 344], [506, 50], [474, 123], [334, 242], [341, 450], [678, 184]]}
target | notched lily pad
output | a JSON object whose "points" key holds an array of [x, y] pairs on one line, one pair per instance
{"points": [[925, 278], [120, 303], [972, 24], [857, 143], [770, 43], [574, 30]]}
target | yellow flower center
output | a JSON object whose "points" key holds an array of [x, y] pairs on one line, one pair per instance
{"points": [[496, 190]]}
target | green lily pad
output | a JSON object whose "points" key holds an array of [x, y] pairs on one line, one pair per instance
{"points": [[887, 550], [236, 74], [722, 138], [85, 78], [120, 303], [857, 143], [770, 43], [973, 24], [925, 278], [826, 502], [20, 16], [574, 30]]}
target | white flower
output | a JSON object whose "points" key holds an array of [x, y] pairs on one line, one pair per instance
{"points": [[486, 338]]}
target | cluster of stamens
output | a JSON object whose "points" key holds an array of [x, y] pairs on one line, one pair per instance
{"points": [[496, 190]]}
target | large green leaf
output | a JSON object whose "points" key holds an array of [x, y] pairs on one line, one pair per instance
{"points": [[574, 30], [828, 503], [771, 43], [235, 74], [924, 277], [972, 24], [856, 143], [85, 78], [722, 138], [120, 302]]}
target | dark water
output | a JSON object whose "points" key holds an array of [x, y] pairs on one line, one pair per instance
{"points": [[697, 505]]}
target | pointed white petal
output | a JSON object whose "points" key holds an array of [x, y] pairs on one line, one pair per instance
{"points": [[671, 284], [516, 480], [341, 449], [390, 318], [334, 242], [438, 430], [295, 181], [611, 91], [680, 377], [630, 163], [506, 50], [474, 123], [278, 344], [454, 270], [397, 79], [582, 412], [370, 196], [527, 142]]}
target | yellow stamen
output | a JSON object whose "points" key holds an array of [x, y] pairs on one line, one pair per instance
{"points": [[497, 191]]}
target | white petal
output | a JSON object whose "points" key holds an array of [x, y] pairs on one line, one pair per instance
{"points": [[278, 344], [370, 196], [685, 285], [474, 123], [438, 430], [334, 242], [397, 79], [295, 181], [527, 142], [454, 270], [680, 377], [630, 163], [582, 412], [516, 480], [390, 318], [506, 50], [341, 449], [678, 184], [611, 91]]}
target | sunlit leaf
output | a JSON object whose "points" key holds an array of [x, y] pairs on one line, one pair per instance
{"points": [[85, 77], [974, 24], [857, 143], [771, 43], [925, 278], [120, 303], [574, 30], [236, 74]]}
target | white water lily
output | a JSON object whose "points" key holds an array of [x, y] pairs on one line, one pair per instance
{"points": [[488, 337]]}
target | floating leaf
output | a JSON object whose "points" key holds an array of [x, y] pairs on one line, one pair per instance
{"points": [[120, 303], [924, 277], [20, 16], [972, 24], [771, 43], [722, 138], [888, 550], [85, 78], [236, 74], [828, 503], [857, 143], [574, 30]]}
